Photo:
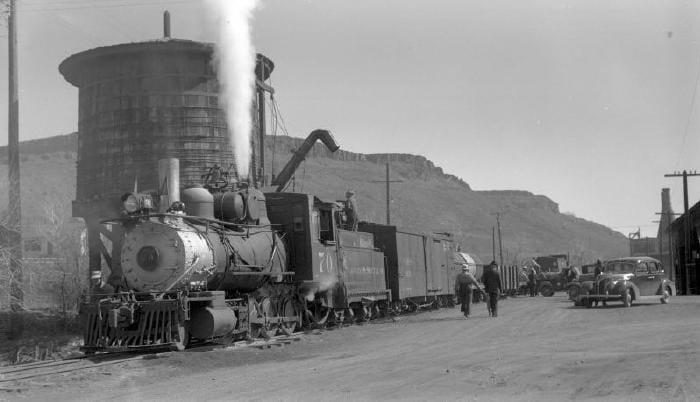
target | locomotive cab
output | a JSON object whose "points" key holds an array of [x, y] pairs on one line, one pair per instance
{"points": [[336, 269]]}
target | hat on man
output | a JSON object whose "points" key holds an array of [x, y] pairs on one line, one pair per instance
{"points": [[350, 193], [493, 264]]}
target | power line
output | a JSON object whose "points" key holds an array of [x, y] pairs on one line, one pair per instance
{"points": [[690, 115], [43, 6]]}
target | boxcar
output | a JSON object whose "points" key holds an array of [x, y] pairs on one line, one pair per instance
{"points": [[419, 267]]}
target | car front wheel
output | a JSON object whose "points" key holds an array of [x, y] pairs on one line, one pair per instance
{"points": [[665, 296], [547, 290]]}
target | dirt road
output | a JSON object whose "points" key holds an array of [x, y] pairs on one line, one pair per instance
{"points": [[537, 349]]}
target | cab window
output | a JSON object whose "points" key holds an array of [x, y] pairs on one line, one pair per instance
{"points": [[315, 225], [326, 225]]}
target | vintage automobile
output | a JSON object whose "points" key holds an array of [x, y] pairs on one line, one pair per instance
{"points": [[627, 280]]}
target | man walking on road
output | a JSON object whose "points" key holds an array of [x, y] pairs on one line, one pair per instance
{"points": [[492, 283], [465, 283], [532, 282]]}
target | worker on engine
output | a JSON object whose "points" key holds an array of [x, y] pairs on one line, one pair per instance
{"points": [[492, 283], [351, 210], [465, 283]]}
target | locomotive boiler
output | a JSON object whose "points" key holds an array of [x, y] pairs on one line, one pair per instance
{"points": [[195, 250]]}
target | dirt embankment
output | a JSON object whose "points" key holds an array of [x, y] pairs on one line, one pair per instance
{"points": [[537, 349]]}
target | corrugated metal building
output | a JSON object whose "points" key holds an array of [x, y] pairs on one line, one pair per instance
{"points": [[686, 254]]}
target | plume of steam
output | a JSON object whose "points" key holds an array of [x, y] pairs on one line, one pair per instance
{"points": [[325, 282], [234, 58]]}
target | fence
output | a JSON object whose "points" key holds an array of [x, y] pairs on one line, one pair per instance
{"points": [[49, 285], [511, 278]]}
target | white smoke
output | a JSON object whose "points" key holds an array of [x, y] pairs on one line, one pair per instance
{"points": [[234, 58], [324, 283]]}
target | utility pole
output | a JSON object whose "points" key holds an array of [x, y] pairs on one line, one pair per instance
{"points": [[388, 182], [13, 236], [686, 226], [500, 242], [493, 242]]}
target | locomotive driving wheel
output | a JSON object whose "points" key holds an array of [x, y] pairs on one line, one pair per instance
{"points": [[263, 310], [289, 311], [268, 310]]}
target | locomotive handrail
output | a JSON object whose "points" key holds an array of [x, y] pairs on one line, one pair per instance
{"points": [[192, 218]]}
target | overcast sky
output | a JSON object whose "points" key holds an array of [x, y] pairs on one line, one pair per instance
{"points": [[587, 102]]}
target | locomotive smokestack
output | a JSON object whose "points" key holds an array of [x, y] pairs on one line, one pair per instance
{"points": [[166, 24], [168, 182]]}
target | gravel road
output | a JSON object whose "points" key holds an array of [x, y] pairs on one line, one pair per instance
{"points": [[537, 349]]}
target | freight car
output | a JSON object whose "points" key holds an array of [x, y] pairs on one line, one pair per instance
{"points": [[419, 267], [230, 263]]}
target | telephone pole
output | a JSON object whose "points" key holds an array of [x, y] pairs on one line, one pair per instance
{"points": [[12, 236], [493, 242], [686, 226], [388, 182], [14, 221], [500, 241]]}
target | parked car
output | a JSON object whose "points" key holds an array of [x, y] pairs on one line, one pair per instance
{"points": [[627, 280]]}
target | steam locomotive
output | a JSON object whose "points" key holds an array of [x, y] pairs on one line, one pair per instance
{"points": [[226, 261], [230, 261]]}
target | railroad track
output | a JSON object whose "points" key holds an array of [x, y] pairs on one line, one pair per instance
{"points": [[28, 371]]}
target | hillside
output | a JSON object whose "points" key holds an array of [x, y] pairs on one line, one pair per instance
{"points": [[426, 200], [429, 199]]}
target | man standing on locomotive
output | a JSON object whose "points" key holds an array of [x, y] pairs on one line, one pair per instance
{"points": [[351, 210], [465, 283], [492, 283]]}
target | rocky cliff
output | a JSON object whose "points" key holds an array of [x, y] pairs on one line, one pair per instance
{"points": [[426, 200]]}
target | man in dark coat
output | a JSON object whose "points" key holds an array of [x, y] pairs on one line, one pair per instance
{"points": [[351, 210], [492, 283], [598, 271], [532, 282], [465, 283]]}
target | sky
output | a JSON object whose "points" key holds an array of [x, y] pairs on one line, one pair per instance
{"points": [[589, 102]]}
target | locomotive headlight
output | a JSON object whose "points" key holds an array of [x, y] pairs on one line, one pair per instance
{"points": [[130, 203], [135, 202]]}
